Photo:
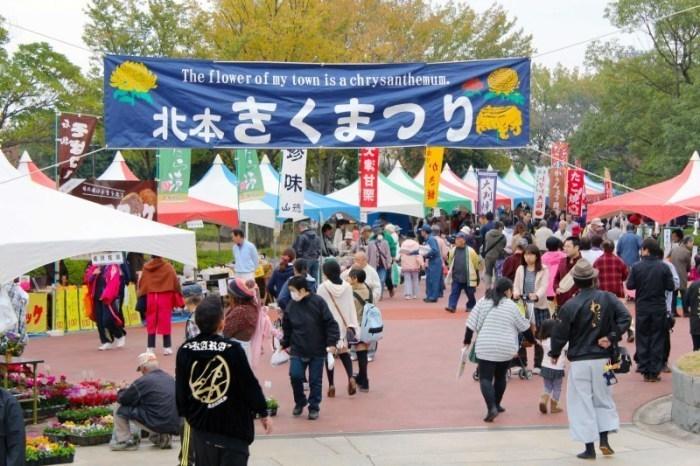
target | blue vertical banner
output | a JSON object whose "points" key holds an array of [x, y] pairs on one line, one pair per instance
{"points": [[170, 103], [487, 191]]}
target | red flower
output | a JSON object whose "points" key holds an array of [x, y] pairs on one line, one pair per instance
{"points": [[473, 85]]}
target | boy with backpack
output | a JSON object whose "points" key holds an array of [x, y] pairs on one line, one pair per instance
{"points": [[371, 325]]}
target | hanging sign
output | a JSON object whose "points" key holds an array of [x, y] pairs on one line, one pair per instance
{"points": [[540, 192], [36, 317], [250, 185], [433, 168], [607, 186], [369, 177], [560, 154], [168, 102], [133, 197], [74, 136], [487, 191], [576, 193], [292, 184], [174, 174], [557, 189]]}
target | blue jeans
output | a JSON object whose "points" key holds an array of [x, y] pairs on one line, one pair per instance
{"points": [[297, 371], [457, 290], [381, 271]]}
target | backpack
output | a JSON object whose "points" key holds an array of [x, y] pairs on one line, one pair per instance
{"points": [[372, 325]]}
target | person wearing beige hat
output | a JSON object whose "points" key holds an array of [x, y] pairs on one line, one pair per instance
{"points": [[346, 246], [592, 323]]}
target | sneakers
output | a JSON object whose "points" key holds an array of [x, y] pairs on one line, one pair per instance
{"points": [[129, 445], [313, 415], [105, 347], [296, 412], [536, 370], [165, 442], [167, 351], [151, 350], [120, 342]]}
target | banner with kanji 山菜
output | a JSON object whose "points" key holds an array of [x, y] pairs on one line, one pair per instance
{"points": [[433, 168], [486, 186], [540, 192], [607, 185], [250, 185], [557, 190], [369, 177], [575, 195], [174, 167], [292, 184], [74, 136], [560, 154], [174, 102]]}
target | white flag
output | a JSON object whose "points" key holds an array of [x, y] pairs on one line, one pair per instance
{"points": [[541, 187], [292, 184]]}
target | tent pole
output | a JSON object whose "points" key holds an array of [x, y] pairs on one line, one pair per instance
{"points": [[218, 237]]}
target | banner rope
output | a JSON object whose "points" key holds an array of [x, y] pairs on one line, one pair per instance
{"points": [[51, 166]]}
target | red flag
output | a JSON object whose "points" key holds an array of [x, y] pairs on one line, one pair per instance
{"points": [[557, 189], [576, 191], [560, 154], [369, 177], [74, 136]]}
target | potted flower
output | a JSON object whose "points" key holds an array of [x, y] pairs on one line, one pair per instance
{"points": [[81, 415], [42, 451], [272, 406], [95, 431]]}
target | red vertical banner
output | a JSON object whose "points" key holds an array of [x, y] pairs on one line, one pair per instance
{"points": [[560, 154], [607, 185], [557, 189], [74, 136], [369, 177], [576, 191]]}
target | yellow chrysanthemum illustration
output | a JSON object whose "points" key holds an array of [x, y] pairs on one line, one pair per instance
{"points": [[504, 120], [132, 80], [503, 81]]}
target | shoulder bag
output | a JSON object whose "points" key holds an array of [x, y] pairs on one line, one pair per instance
{"points": [[350, 335]]}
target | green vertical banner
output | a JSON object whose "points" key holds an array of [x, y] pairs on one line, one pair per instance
{"points": [[174, 166], [250, 185]]}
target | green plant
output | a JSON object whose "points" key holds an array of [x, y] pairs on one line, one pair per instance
{"points": [[82, 414], [272, 403]]}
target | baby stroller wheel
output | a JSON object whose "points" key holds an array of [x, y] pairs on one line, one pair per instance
{"points": [[475, 375]]}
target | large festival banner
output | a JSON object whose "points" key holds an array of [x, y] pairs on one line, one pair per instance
{"points": [[369, 177], [557, 189], [560, 154], [169, 102], [486, 186], [74, 136], [540, 192], [250, 185], [133, 197], [607, 185], [433, 168], [292, 184], [576, 191], [174, 167]]}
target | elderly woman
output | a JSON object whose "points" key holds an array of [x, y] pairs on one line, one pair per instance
{"points": [[497, 322], [241, 317]]}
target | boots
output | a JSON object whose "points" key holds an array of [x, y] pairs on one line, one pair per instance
{"points": [[543, 403], [554, 406]]}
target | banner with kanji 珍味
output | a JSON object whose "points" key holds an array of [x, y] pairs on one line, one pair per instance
{"points": [[433, 168], [369, 177], [292, 184]]}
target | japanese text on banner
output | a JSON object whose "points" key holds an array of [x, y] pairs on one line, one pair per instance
{"points": [[433, 168], [36, 317], [575, 191], [607, 185], [557, 189], [292, 184], [167, 102], [74, 136], [540, 192], [174, 174], [487, 191], [560, 154], [250, 185], [369, 177]]}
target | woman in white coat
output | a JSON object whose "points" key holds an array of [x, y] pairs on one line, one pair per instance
{"points": [[530, 284], [338, 295]]}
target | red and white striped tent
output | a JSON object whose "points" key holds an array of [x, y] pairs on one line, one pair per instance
{"points": [[660, 202], [27, 166], [118, 170]]}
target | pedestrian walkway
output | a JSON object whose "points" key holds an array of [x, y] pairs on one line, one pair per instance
{"points": [[501, 446]]}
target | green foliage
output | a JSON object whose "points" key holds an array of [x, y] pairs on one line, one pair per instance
{"points": [[81, 415]]}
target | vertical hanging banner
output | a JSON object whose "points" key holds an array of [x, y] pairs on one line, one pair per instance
{"points": [[74, 136], [576, 193], [540, 192], [433, 168], [292, 184], [607, 185], [369, 177], [557, 189], [487, 191], [37, 310], [250, 185], [174, 166], [560, 154]]}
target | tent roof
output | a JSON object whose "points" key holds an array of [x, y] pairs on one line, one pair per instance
{"points": [[513, 179], [118, 170], [176, 213], [452, 184], [218, 186], [391, 198], [48, 225], [502, 187], [446, 201], [661, 202], [527, 176], [27, 166]]}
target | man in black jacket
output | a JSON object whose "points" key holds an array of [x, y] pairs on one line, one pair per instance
{"points": [[149, 404], [591, 323], [308, 247], [217, 392], [652, 279], [310, 332], [12, 440]]}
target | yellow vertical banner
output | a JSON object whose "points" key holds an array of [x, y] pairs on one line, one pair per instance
{"points": [[85, 322], [72, 312], [37, 310], [433, 168], [131, 315], [59, 312]]}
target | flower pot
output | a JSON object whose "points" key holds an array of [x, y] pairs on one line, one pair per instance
{"points": [[88, 440], [272, 411]]}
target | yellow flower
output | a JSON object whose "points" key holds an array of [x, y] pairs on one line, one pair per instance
{"points": [[132, 76], [503, 80]]}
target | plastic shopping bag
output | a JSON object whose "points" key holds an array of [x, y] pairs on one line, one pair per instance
{"points": [[279, 357]]}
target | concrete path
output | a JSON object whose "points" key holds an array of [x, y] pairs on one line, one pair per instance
{"points": [[505, 446]]}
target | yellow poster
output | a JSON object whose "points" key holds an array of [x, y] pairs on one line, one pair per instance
{"points": [[72, 312], [37, 309], [85, 322], [59, 312], [131, 315], [433, 168]]}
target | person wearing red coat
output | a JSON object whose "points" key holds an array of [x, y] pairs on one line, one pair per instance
{"points": [[104, 284], [565, 291], [612, 271], [160, 285]]}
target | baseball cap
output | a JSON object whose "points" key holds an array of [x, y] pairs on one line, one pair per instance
{"points": [[144, 358]]}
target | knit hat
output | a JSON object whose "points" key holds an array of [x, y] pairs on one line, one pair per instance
{"points": [[238, 289], [583, 270]]}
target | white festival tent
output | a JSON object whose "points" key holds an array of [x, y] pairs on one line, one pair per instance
{"points": [[514, 180], [391, 198], [527, 176], [47, 225], [118, 170], [502, 187], [27, 166]]}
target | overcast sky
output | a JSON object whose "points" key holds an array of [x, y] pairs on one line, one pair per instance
{"points": [[552, 23]]}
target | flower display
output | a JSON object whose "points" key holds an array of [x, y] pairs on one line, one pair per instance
{"points": [[13, 344], [39, 450], [92, 393]]}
